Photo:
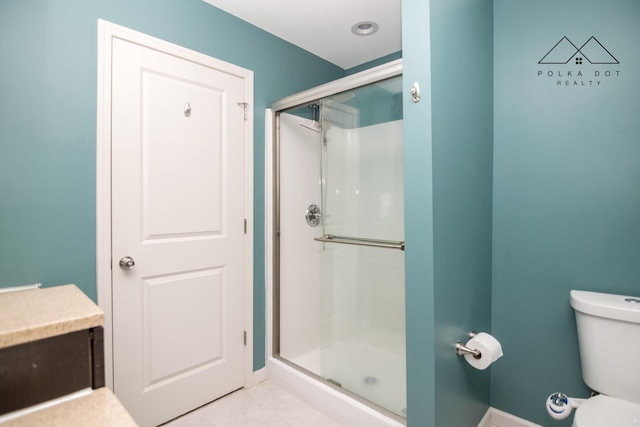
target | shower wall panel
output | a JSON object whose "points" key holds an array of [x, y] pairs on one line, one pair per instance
{"points": [[300, 270], [364, 198]]}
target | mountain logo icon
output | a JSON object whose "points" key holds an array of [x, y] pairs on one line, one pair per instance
{"points": [[565, 51]]}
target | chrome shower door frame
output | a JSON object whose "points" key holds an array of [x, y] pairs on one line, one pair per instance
{"points": [[310, 96]]}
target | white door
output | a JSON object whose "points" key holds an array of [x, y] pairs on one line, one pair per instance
{"points": [[178, 201]]}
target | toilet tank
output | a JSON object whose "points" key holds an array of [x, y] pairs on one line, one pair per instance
{"points": [[609, 339]]}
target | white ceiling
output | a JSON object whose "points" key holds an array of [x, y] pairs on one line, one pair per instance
{"points": [[323, 27]]}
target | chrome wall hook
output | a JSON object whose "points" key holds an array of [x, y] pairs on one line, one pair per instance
{"points": [[415, 92]]}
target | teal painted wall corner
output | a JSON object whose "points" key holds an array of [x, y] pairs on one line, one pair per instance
{"points": [[448, 204], [419, 280], [462, 129]]}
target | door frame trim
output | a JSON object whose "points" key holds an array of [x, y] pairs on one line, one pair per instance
{"points": [[107, 32]]}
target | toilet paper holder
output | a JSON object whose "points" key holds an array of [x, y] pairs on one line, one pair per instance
{"points": [[462, 349]]}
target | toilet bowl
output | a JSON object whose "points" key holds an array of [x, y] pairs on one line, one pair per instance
{"points": [[605, 411]]}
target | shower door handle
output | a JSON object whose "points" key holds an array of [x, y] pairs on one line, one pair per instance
{"points": [[376, 243]]}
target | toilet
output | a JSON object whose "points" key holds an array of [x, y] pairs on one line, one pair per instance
{"points": [[609, 339]]}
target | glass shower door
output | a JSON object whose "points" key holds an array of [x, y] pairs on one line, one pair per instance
{"points": [[362, 258]]}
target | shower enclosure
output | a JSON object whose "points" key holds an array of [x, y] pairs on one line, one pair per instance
{"points": [[338, 265]]}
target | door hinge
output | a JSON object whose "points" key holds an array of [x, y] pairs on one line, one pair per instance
{"points": [[244, 105], [245, 338], [245, 226]]}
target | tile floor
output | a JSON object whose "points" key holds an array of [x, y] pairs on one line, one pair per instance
{"points": [[263, 405]]}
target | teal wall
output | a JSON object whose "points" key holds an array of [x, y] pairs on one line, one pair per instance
{"points": [[418, 170], [375, 62], [462, 115], [566, 189], [447, 49], [48, 59]]}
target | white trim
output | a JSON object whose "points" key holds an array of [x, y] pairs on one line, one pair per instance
{"points": [[103, 191], [259, 376], [486, 420], [268, 227], [247, 75], [497, 418], [107, 32]]}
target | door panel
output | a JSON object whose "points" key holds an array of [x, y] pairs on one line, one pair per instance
{"points": [[178, 211], [168, 196], [173, 345]]}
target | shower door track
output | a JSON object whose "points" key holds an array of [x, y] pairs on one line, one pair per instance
{"points": [[388, 244]]}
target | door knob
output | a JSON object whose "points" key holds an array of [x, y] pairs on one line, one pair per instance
{"points": [[127, 263]]}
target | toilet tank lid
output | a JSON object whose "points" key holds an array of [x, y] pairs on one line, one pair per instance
{"points": [[618, 307]]}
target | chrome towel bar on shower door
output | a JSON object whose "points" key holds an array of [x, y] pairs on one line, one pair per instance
{"points": [[361, 241]]}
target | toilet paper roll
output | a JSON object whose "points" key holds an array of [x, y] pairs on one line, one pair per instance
{"points": [[489, 347]]}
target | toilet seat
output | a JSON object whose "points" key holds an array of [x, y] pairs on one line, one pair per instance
{"points": [[605, 411]]}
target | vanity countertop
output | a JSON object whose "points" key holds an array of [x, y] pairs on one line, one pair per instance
{"points": [[98, 408], [30, 315]]}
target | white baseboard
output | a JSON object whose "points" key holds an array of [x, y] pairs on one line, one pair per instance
{"points": [[486, 420], [259, 376], [497, 418]]}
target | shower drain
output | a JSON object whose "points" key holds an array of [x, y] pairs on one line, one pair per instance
{"points": [[371, 380]]}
